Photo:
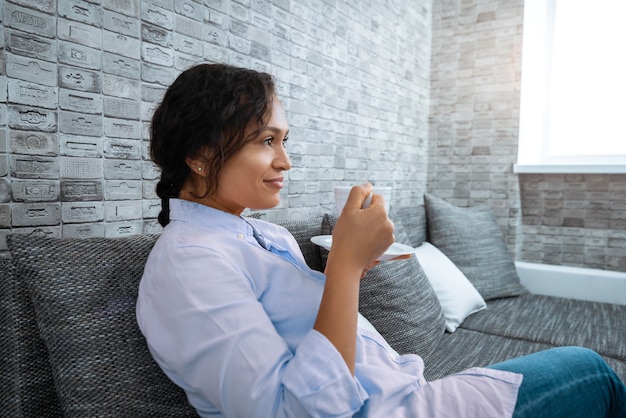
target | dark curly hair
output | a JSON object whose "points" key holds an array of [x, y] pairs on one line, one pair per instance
{"points": [[207, 106]]}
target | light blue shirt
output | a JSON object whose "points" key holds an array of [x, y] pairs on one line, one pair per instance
{"points": [[232, 324]]}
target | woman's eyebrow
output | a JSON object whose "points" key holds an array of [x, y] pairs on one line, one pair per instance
{"points": [[269, 128]]}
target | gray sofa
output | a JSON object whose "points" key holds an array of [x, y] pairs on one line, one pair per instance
{"points": [[71, 346]]}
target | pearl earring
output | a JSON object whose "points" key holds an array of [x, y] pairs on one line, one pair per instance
{"points": [[199, 168]]}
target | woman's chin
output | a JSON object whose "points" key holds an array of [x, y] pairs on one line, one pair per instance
{"points": [[266, 205]]}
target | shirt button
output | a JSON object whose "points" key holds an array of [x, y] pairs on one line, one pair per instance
{"points": [[239, 236]]}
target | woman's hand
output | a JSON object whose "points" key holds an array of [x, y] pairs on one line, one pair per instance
{"points": [[361, 235]]}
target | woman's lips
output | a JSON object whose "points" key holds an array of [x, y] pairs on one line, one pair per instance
{"points": [[277, 182]]}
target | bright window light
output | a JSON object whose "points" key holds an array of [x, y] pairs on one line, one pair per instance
{"points": [[573, 87]]}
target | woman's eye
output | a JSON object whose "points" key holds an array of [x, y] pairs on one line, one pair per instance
{"points": [[285, 139], [268, 141]]}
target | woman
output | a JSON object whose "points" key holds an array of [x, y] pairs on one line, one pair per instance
{"points": [[234, 316]]}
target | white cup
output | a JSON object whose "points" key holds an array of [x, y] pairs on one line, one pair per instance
{"points": [[342, 193]]}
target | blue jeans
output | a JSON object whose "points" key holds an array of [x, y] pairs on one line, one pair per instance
{"points": [[566, 382]]}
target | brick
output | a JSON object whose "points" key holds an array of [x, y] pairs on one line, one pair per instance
{"points": [[45, 6], [87, 230], [127, 7], [121, 44], [3, 140], [215, 35], [122, 148], [79, 55], [3, 118], [81, 191], [188, 8], [81, 168], [121, 87], [79, 79], [81, 212], [5, 216], [121, 128], [79, 33], [150, 93], [121, 66], [151, 208], [215, 53], [121, 108], [184, 61], [81, 11], [149, 190], [122, 189], [150, 171], [34, 167], [123, 229], [80, 146], [152, 226], [35, 190], [157, 16], [188, 45], [31, 69], [240, 12], [156, 35], [35, 214], [120, 24], [221, 5], [80, 124], [157, 55], [3, 88], [5, 191], [39, 231], [31, 45], [27, 93], [34, 143], [122, 169], [4, 166], [32, 119], [147, 110], [122, 211], [28, 20], [77, 101], [187, 27]]}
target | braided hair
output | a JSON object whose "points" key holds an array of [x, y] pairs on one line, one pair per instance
{"points": [[208, 106]]}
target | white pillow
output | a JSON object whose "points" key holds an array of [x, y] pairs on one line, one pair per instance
{"points": [[457, 295]]}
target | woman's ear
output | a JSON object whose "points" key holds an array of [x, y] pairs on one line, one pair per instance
{"points": [[197, 164]]}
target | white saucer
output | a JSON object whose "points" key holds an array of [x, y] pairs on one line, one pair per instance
{"points": [[394, 250]]}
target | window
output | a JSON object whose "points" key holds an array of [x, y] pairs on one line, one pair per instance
{"points": [[573, 96]]}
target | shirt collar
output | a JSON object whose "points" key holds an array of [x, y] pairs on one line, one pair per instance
{"points": [[208, 217]]}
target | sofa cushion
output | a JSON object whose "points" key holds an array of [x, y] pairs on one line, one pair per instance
{"points": [[472, 239], [397, 299], [556, 321], [466, 348], [25, 373], [84, 294]]}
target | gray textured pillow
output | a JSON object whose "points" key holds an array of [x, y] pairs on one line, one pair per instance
{"points": [[472, 239], [413, 220], [398, 300], [25, 373], [84, 293]]}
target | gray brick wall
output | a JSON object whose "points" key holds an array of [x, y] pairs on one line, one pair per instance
{"points": [[575, 220], [79, 81]]}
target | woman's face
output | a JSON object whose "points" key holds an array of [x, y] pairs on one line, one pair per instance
{"points": [[253, 177]]}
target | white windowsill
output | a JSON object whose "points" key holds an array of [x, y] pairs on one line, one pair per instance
{"points": [[570, 168]]}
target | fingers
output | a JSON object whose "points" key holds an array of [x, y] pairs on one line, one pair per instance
{"points": [[357, 195]]}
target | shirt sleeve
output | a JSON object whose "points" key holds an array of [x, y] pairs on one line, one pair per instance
{"points": [[207, 330]]}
